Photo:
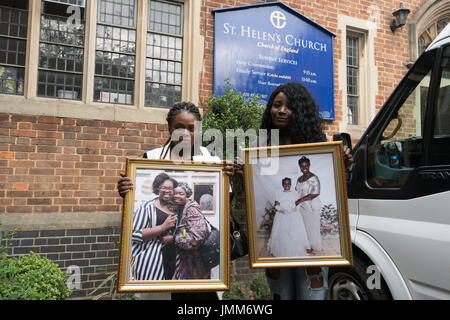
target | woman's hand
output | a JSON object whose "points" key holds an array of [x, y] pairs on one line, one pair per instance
{"points": [[238, 166], [169, 223], [232, 168], [124, 184], [228, 168], [348, 158]]}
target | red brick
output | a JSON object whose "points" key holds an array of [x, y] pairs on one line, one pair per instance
{"points": [[44, 142], [48, 149], [7, 155], [92, 158], [18, 194], [90, 201], [87, 165], [51, 120], [19, 209], [50, 134], [21, 163], [66, 128], [88, 123], [45, 127], [67, 186], [66, 201], [23, 133], [46, 209], [94, 130], [96, 173], [20, 186], [23, 118], [39, 201], [40, 171]]}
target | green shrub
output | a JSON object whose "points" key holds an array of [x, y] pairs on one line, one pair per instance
{"points": [[232, 111], [256, 289], [31, 277]]}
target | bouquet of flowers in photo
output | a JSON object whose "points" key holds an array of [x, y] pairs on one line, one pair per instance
{"points": [[268, 217], [329, 222]]}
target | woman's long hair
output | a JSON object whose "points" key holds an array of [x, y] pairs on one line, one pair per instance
{"points": [[306, 123]]}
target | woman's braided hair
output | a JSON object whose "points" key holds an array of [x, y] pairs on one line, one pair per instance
{"points": [[176, 109]]}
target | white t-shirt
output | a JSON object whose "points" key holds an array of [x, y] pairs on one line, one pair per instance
{"points": [[158, 152]]}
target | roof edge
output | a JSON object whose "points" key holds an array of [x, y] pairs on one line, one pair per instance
{"points": [[278, 3]]}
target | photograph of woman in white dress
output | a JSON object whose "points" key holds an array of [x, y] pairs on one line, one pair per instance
{"points": [[313, 190], [308, 188], [288, 235]]}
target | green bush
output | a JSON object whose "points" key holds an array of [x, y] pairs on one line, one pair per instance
{"points": [[256, 289], [232, 111], [31, 277]]}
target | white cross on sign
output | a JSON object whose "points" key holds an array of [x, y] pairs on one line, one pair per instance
{"points": [[278, 19]]}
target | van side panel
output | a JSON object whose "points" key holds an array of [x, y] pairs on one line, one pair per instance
{"points": [[416, 238], [397, 286]]}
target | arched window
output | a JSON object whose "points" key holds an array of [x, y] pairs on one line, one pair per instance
{"points": [[431, 32], [425, 24]]}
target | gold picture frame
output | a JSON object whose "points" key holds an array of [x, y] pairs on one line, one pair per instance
{"points": [[277, 229], [137, 202]]}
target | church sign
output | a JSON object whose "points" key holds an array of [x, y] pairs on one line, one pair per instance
{"points": [[258, 47]]}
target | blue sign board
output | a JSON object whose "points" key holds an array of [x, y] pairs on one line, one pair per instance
{"points": [[258, 47]]}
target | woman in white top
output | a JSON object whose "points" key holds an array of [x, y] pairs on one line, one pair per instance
{"points": [[181, 120], [308, 188], [288, 235]]}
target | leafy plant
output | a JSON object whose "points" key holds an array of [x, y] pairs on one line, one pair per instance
{"points": [[31, 277], [256, 289], [232, 111], [5, 237]]}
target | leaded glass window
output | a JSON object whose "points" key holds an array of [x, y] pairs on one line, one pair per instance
{"points": [[13, 44], [61, 49], [352, 79], [115, 56], [163, 77]]}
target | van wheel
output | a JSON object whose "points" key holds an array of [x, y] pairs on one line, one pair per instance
{"points": [[349, 283]]}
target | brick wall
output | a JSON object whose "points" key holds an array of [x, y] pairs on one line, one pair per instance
{"points": [[67, 165]]}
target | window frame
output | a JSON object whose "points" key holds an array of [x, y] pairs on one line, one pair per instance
{"points": [[368, 75], [56, 72], [357, 68], [87, 108], [127, 81], [161, 59], [19, 40]]}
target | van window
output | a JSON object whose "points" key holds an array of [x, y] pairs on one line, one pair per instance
{"points": [[441, 139], [398, 146]]}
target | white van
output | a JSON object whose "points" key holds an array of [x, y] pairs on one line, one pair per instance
{"points": [[399, 190]]}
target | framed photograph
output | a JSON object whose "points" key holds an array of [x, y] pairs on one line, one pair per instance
{"points": [[162, 245], [297, 211], [204, 195]]}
